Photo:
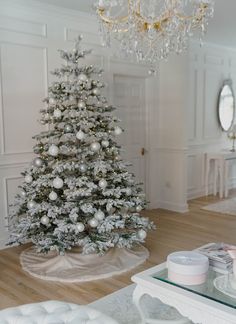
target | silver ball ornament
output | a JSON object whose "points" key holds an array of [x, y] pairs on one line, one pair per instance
{"points": [[99, 215], [57, 183], [28, 178], [80, 227], [53, 150], [31, 204], [52, 101], [68, 128], [44, 220], [53, 195], [96, 92], [102, 183], [105, 143], [38, 162], [81, 104], [139, 208], [83, 167], [117, 130], [82, 77], [142, 234], [95, 146], [23, 193], [57, 113], [93, 222], [80, 135]]}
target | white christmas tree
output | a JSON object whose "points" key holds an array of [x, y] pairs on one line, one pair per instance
{"points": [[77, 191]]}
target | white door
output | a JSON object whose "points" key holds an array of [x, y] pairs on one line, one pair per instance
{"points": [[129, 98]]}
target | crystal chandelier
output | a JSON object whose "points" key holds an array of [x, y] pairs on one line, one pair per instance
{"points": [[149, 30]]}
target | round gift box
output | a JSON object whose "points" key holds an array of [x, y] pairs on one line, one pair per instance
{"points": [[187, 267]]}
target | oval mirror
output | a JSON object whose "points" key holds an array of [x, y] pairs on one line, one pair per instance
{"points": [[226, 106]]}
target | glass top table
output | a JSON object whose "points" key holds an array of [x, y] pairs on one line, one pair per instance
{"points": [[207, 289]]}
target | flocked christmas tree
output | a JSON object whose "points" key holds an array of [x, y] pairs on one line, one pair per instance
{"points": [[77, 191]]}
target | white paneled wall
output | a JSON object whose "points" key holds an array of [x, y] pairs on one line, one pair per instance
{"points": [[30, 35], [208, 68]]}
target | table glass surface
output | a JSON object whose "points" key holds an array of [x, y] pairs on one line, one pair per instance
{"points": [[206, 290]]}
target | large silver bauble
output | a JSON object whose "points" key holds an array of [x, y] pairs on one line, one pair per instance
{"points": [[44, 220], [31, 204], [28, 178], [80, 227], [57, 113], [38, 162], [82, 77], [68, 128], [117, 130], [81, 104], [105, 143], [139, 208], [142, 234], [83, 167], [53, 195], [99, 215], [52, 101], [93, 222], [53, 150], [80, 135], [96, 92], [102, 183], [95, 146], [58, 183]]}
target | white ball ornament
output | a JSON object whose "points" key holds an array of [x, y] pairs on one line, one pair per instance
{"points": [[58, 183], [80, 135], [31, 204], [28, 178], [82, 77], [68, 128], [139, 208], [83, 167], [95, 146], [99, 215], [57, 113], [80, 227], [44, 220], [38, 162], [93, 222], [117, 130], [23, 193], [142, 234], [52, 101], [102, 183], [105, 143], [96, 92], [81, 104], [53, 150], [53, 195]]}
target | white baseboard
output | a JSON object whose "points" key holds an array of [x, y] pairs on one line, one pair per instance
{"points": [[179, 208]]}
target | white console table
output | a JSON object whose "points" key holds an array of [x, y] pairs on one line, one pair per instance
{"points": [[221, 169]]}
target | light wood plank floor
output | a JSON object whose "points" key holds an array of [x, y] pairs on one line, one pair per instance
{"points": [[174, 232]]}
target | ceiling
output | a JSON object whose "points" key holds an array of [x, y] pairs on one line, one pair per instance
{"points": [[221, 30]]}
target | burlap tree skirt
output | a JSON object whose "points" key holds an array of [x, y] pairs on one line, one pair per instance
{"points": [[76, 267]]}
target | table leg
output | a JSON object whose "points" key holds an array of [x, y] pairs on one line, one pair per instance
{"points": [[221, 171], [137, 295], [207, 161], [226, 175], [216, 170]]}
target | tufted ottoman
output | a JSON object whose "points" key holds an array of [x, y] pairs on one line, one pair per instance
{"points": [[53, 312]]}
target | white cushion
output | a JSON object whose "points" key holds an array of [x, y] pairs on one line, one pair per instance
{"points": [[53, 312]]}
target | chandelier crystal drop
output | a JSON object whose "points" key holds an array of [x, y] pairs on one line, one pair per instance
{"points": [[149, 30]]}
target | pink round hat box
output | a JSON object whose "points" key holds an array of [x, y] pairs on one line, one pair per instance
{"points": [[187, 267]]}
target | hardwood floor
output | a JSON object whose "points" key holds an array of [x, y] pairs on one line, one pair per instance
{"points": [[174, 232]]}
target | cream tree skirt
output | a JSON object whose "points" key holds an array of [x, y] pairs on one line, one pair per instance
{"points": [[76, 267]]}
